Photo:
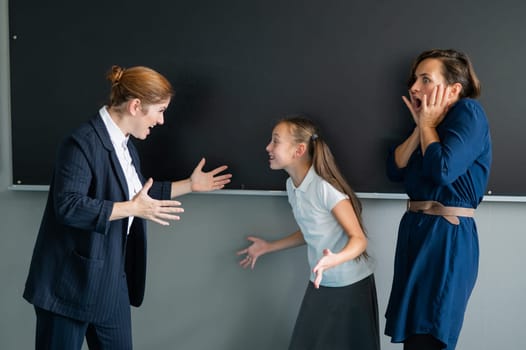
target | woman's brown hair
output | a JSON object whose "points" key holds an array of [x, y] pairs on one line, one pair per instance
{"points": [[457, 68], [139, 82]]}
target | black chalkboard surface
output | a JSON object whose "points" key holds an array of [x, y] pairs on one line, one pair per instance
{"points": [[238, 66]]}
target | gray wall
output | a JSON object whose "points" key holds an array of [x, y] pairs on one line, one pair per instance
{"points": [[197, 296]]}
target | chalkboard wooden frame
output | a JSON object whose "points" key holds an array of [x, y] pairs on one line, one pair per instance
{"points": [[238, 66]]}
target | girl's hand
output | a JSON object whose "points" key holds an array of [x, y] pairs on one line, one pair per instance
{"points": [[328, 260], [253, 252]]}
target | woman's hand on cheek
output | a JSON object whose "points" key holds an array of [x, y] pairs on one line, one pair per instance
{"points": [[435, 106], [410, 106]]}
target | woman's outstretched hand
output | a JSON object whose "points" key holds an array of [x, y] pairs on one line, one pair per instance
{"points": [[208, 181], [159, 211]]}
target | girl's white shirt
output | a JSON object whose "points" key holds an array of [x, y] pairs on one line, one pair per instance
{"points": [[312, 203]]}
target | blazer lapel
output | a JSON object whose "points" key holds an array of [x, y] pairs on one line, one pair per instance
{"points": [[104, 136], [135, 160]]}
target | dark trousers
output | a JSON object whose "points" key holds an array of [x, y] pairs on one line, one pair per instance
{"points": [[57, 332]]}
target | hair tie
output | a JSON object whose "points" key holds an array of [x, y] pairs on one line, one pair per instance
{"points": [[314, 137], [118, 75]]}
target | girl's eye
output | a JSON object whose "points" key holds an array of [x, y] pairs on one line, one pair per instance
{"points": [[426, 80]]}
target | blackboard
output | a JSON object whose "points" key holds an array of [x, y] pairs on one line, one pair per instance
{"points": [[238, 66]]}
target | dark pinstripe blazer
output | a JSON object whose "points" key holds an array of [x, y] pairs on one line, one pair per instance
{"points": [[80, 256]]}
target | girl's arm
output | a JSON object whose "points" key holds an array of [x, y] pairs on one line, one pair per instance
{"points": [[356, 245], [260, 247]]}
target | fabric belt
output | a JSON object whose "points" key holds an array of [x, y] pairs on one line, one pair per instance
{"points": [[451, 214]]}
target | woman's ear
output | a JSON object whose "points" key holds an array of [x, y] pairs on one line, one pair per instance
{"points": [[456, 89], [134, 105]]}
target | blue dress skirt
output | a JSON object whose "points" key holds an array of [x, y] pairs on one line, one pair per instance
{"points": [[435, 271]]}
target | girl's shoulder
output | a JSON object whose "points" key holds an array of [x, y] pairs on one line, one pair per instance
{"points": [[328, 194]]}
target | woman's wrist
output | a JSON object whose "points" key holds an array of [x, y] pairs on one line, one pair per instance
{"points": [[181, 187]]}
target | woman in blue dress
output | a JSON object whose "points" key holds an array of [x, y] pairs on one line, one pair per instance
{"points": [[444, 165]]}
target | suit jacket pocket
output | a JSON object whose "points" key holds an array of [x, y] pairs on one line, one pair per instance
{"points": [[79, 281]]}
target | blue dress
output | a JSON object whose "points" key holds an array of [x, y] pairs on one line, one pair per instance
{"points": [[436, 262]]}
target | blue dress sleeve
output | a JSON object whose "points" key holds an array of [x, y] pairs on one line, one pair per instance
{"points": [[394, 173], [462, 135]]}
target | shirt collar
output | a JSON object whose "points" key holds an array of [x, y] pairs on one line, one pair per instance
{"points": [[306, 181], [116, 135]]}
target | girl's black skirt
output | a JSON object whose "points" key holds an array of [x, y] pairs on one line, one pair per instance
{"points": [[338, 318]]}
